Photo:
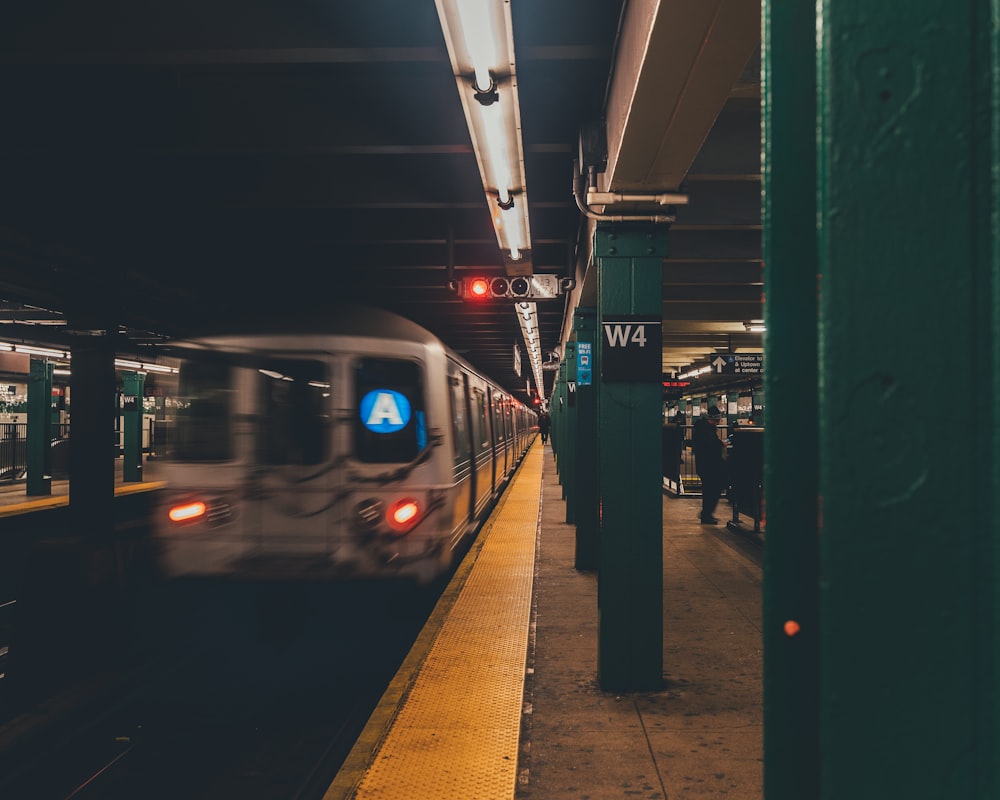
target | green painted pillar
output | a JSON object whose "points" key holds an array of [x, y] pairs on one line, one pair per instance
{"points": [[909, 276], [757, 405], [560, 425], [588, 498], [132, 393], [570, 464], [791, 557], [39, 444], [630, 576]]}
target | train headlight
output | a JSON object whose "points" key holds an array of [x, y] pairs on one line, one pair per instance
{"points": [[402, 515], [213, 511], [187, 512]]}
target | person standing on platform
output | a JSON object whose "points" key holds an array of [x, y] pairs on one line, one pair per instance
{"points": [[543, 426], [709, 461]]}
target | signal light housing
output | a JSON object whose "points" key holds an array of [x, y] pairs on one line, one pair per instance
{"points": [[522, 287]]}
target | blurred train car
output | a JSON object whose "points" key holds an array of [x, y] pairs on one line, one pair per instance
{"points": [[363, 448]]}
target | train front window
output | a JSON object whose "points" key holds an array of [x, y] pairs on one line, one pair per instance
{"points": [[294, 402], [390, 418], [203, 430]]}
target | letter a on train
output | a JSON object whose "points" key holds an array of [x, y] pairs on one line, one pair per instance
{"points": [[385, 411]]}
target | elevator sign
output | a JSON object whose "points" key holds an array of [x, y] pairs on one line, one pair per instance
{"points": [[737, 363], [631, 349]]}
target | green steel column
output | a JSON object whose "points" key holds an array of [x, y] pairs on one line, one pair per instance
{"points": [[570, 465], [791, 557], [39, 446], [132, 392], [558, 427], [909, 277], [630, 576], [588, 498]]}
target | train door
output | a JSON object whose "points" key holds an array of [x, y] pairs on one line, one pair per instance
{"points": [[464, 474], [491, 404], [481, 446], [290, 480]]}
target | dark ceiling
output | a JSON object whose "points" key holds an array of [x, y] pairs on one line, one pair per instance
{"points": [[166, 165]]}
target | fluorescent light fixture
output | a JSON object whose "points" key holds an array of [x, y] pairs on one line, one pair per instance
{"points": [[755, 327], [527, 316], [694, 373], [477, 29], [480, 41], [38, 351], [142, 366]]}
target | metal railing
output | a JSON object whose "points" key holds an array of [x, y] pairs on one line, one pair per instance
{"points": [[745, 459], [14, 447]]}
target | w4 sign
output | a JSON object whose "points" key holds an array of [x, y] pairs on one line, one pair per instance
{"points": [[631, 349]]}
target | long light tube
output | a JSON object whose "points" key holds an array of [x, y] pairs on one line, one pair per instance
{"points": [[479, 37], [497, 149], [37, 351], [64, 355], [527, 317], [480, 42]]}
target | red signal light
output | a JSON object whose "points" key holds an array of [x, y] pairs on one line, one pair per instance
{"points": [[479, 287]]}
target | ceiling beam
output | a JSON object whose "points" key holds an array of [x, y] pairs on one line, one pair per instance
{"points": [[675, 67]]}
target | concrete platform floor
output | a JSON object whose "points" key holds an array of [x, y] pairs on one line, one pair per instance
{"points": [[702, 735]]}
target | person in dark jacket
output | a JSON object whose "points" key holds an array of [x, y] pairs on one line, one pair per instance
{"points": [[543, 426], [709, 461]]}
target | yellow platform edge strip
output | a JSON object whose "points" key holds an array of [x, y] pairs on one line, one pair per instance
{"points": [[448, 723], [58, 501]]}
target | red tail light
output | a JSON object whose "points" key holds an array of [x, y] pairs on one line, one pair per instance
{"points": [[187, 512], [402, 515]]}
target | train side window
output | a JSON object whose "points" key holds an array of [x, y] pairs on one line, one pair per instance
{"points": [[390, 420], [203, 426], [481, 429], [460, 426], [294, 412]]}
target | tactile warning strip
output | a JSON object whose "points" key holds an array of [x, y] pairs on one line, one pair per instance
{"points": [[456, 736]]}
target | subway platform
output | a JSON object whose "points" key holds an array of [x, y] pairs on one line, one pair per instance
{"points": [[499, 696]]}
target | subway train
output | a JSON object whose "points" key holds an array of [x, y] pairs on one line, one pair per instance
{"points": [[364, 448]]}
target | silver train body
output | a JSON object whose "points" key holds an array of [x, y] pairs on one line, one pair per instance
{"points": [[368, 450]]}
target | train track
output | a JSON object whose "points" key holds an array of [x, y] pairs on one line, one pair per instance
{"points": [[260, 694]]}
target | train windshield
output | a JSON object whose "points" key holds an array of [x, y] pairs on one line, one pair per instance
{"points": [[390, 418], [294, 407], [203, 429], [290, 416]]}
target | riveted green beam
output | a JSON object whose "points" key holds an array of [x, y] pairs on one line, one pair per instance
{"points": [[791, 452], [630, 575], [909, 278]]}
